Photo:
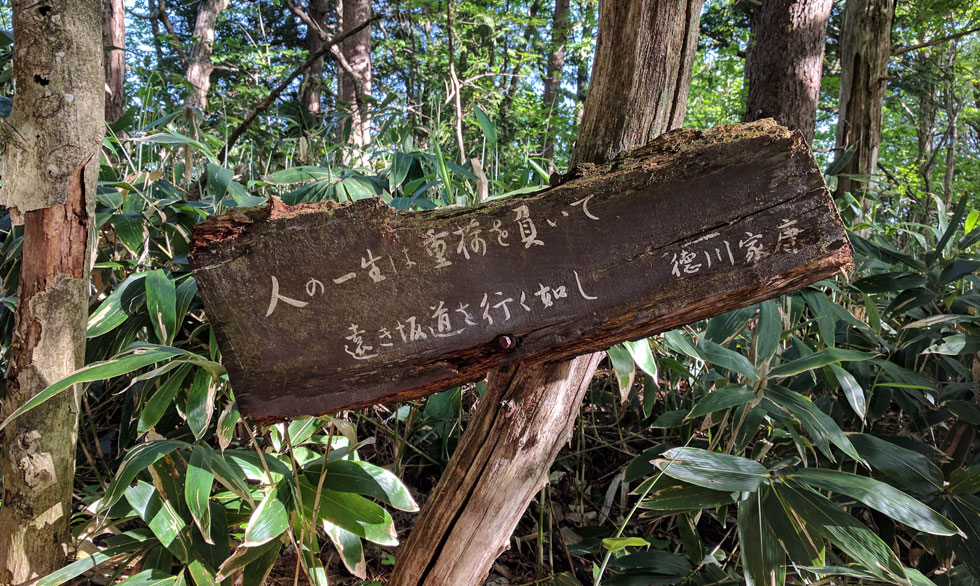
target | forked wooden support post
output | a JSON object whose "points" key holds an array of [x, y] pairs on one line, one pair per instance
{"points": [[502, 461]]}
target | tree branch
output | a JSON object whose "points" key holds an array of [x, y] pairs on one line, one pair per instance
{"points": [[277, 91], [151, 15], [165, 19], [896, 51], [888, 174], [338, 56], [305, 18]]}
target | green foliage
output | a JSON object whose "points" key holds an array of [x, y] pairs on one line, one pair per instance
{"points": [[804, 371], [825, 435]]}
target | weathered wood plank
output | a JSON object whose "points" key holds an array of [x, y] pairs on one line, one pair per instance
{"points": [[327, 306]]}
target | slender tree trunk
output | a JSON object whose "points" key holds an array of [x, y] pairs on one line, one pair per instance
{"points": [[454, 85], [114, 40], [198, 73], [553, 77], [952, 115], [157, 45], [954, 137], [865, 46], [512, 82], [313, 82], [49, 169], [785, 62], [927, 70], [529, 410], [199, 66], [587, 20], [627, 109], [925, 117], [355, 85], [581, 88], [413, 89]]}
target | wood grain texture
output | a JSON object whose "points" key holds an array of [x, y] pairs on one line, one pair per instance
{"points": [[502, 461], [743, 205]]}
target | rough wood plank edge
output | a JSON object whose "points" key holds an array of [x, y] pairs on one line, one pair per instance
{"points": [[272, 394]]}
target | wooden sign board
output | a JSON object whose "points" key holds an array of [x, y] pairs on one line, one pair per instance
{"points": [[322, 307]]}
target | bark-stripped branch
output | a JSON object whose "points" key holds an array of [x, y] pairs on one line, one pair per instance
{"points": [[896, 51], [305, 18], [164, 17]]}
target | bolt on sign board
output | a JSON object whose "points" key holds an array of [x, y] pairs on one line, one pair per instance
{"points": [[325, 306]]}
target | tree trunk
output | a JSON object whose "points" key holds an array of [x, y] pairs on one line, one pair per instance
{"points": [[785, 62], [952, 116], [954, 137], [114, 40], [640, 81], [586, 10], [455, 88], [658, 38], [198, 73], [511, 83], [925, 116], [355, 85], [865, 47], [552, 80], [199, 66], [50, 177], [312, 85]]}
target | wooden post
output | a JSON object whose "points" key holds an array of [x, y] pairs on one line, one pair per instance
{"points": [[502, 461]]}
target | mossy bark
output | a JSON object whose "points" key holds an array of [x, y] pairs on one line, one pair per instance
{"points": [[50, 169]]}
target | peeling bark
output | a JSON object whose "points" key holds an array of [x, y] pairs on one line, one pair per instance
{"points": [[50, 171], [522, 420], [42, 150]]}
